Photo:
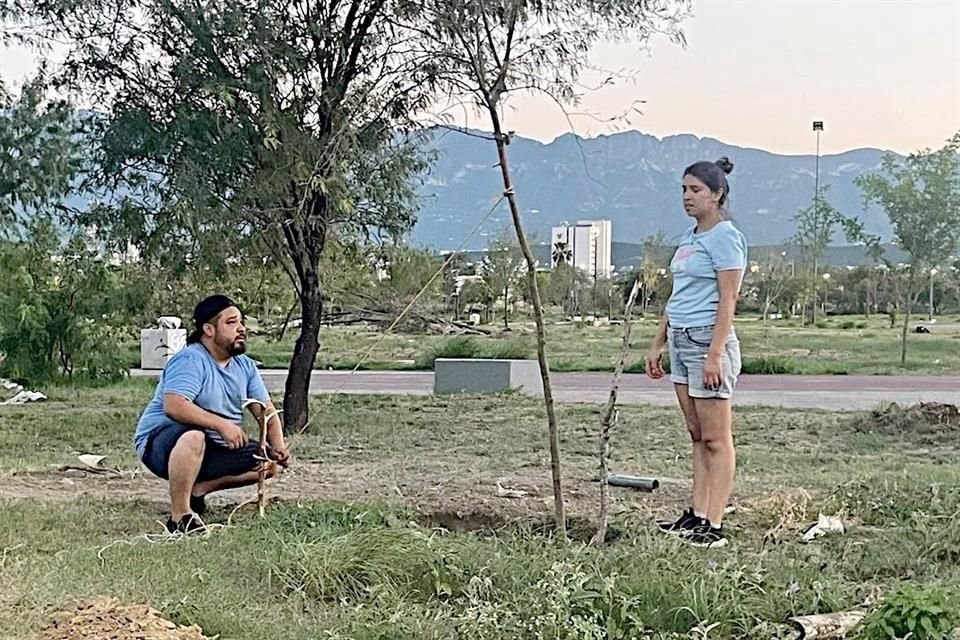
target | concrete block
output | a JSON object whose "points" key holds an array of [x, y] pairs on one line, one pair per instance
{"points": [[157, 346], [478, 375]]}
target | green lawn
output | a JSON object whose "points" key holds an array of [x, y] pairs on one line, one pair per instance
{"points": [[840, 345], [351, 550]]}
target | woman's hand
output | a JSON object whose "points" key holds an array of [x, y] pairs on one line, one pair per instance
{"points": [[712, 371], [654, 366]]}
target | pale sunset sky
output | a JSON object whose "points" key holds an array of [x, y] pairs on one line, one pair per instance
{"points": [[756, 73]]}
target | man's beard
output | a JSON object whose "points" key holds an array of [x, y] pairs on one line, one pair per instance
{"points": [[235, 348]]}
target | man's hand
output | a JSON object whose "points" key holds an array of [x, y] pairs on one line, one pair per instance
{"points": [[234, 436], [654, 366], [280, 454], [712, 371]]}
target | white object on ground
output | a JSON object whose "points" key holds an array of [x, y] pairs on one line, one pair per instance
{"points": [[823, 526], [504, 492], [24, 396], [91, 460]]}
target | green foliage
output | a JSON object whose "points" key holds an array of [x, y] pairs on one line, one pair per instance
{"points": [[516, 349], [347, 567], [470, 347], [39, 159], [921, 196], [455, 347], [62, 309], [769, 365], [410, 271], [915, 612], [503, 270], [233, 131], [570, 602]]}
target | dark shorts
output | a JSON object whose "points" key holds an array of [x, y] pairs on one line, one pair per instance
{"points": [[218, 461]]}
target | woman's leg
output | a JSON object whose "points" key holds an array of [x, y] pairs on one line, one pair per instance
{"points": [[701, 481], [716, 428]]}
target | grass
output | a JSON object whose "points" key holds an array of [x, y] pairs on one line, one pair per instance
{"points": [[357, 554], [838, 345]]}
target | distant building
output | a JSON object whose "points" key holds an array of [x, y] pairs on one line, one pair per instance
{"points": [[585, 245]]}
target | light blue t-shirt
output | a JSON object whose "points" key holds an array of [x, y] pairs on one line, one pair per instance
{"points": [[699, 256], [195, 375]]}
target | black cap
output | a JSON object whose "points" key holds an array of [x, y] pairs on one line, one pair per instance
{"points": [[205, 311]]}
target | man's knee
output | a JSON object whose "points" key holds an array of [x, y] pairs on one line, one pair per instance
{"points": [[693, 428], [192, 443]]}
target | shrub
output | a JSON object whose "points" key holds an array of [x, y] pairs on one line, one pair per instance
{"points": [[769, 365], [919, 613], [455, 347]]}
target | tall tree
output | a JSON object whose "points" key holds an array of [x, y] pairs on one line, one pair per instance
{"points": [[249, 128], [503, 268], [653, 264], [39, 160], [921, 196], [816, 225], [773, 278], [488, 49]]}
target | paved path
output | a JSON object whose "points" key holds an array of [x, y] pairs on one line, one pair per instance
{"points": [[826, 392]]}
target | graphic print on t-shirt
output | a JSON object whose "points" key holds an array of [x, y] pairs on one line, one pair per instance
{"points": [[681, 256]]}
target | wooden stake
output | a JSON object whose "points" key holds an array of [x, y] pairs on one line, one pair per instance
{"points": [[609, 420], [262, 475]]}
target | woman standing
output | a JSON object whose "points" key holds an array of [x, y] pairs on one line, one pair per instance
{"points": [[697, 327]]}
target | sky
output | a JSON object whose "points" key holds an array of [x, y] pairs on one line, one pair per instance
{"points": [[756, 73]]}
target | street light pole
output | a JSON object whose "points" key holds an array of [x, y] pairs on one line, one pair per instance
{"points": [[817, 128], [933, 272]]}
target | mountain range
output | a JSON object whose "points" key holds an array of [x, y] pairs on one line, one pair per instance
{"points": [[630, 178]]}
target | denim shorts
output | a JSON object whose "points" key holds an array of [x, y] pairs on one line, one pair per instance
{"points": [[688, 349], [218, 460]]}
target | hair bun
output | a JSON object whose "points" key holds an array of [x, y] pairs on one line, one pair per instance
{"points": [[725, 165]]}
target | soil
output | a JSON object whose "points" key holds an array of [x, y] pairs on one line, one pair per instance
{"points": [[107, 618], [453, 501], [927, 420]]}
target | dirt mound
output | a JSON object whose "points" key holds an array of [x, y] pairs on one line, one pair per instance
{"points": [[107, 618], [924, 419]]}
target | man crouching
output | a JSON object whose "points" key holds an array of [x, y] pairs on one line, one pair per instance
{"points": [[191, 431]]}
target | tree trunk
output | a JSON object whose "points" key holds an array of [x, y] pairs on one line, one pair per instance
{"points": [[909, 300], [296, 410], [506, 292], [501, 140], [816, 300]]}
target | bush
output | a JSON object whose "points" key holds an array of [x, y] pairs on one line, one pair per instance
{"points": [[919, 613], [468, 347], [63, 310], [848, 324], [351, 567], [455, 347], [516, 349], [769, 365]]}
